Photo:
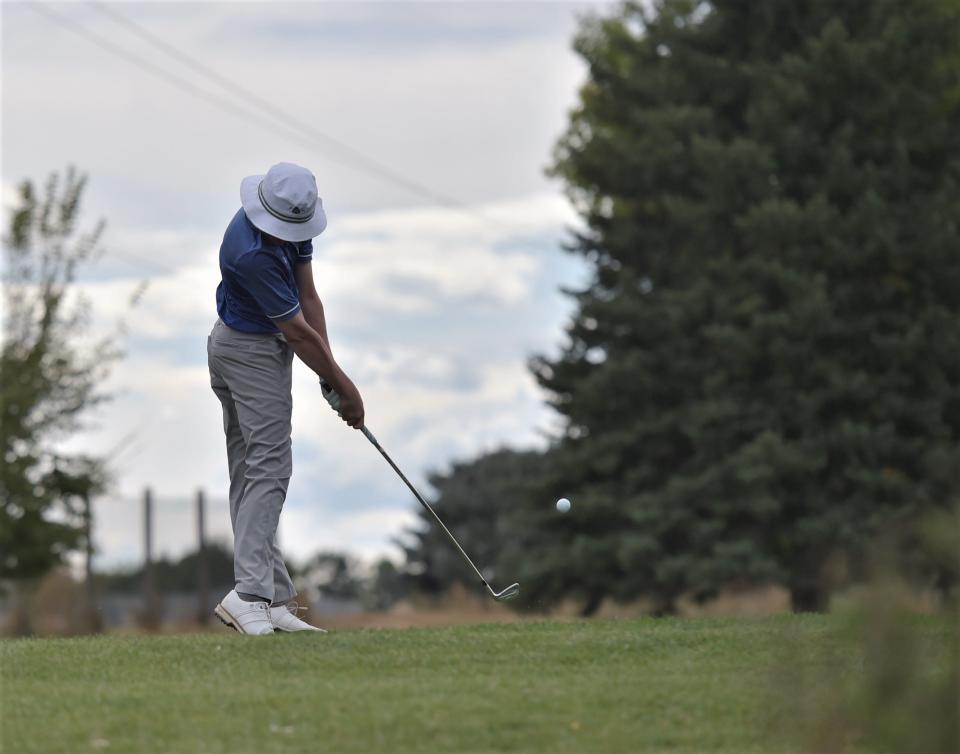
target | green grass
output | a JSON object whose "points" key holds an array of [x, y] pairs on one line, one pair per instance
{"points": [[601, 686]]}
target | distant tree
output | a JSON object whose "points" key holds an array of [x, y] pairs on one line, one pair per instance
{"points": [[387, 585], [765, 366], [478, 501], [174, 575], [50, 372], [333, 574]]}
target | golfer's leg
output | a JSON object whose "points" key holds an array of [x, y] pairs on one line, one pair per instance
{"points": [[256, 527], [261, 394], [283, 589], [236, 447], [236, 453]]}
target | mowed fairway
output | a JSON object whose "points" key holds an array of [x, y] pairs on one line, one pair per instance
{"points": [[598, 686]]}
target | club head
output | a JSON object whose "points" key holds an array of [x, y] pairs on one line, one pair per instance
{"points": [[507, 594]]}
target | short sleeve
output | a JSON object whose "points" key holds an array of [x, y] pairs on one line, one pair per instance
{"points": [[271, 285], [305, 251]]}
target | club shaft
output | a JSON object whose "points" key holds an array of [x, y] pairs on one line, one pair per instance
{"points": [[373, 440]]}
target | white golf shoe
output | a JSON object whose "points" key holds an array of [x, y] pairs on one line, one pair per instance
{"points": [[244, 617], [285, 618]]}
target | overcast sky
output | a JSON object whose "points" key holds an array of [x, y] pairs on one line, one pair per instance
{"points": [[432, 310]]}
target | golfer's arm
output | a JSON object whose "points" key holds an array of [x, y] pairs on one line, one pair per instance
{"points": [[312, 348], [310, 303], [312, 309]]}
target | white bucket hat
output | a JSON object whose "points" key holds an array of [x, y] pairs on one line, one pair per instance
{"points": [[284, 202]]}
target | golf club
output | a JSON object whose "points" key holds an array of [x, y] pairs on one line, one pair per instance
{"points": [[507, 594]]}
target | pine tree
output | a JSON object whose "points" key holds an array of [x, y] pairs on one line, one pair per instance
{"points": [[765, 366], [478, 501]]}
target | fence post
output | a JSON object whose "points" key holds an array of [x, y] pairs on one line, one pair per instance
{"points": [[203, 574], [91, 614], [151, 618]]}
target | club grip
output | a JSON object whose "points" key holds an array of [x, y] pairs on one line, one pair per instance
{"points": [[333, 398], [330, 395]]}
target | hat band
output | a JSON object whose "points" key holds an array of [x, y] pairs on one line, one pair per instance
{"points": [[282, 215]]}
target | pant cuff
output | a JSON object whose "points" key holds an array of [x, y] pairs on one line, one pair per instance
{"points": [[249, 587], [280, 599]]}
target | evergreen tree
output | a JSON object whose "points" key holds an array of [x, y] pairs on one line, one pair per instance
{"points": [[172, 576], [386, 586], [765, 365], [333, 574], [480, 502]]}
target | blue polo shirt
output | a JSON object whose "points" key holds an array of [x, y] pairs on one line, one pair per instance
{"points": [[257, 287]]}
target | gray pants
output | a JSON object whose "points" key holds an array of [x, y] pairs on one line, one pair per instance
{"points": [[251, 375]]}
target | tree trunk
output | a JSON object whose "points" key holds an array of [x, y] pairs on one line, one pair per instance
{"points": [[809, 598], [21, 623], [592, 605], [664, 609]]}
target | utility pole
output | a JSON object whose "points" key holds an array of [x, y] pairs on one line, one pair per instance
{"points": [[203, 573]]}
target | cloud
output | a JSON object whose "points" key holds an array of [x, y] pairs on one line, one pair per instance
{"points": [[471, 121], [442, 373], [432, 310], [376, 264], [305, 531], [428, 259], [9, 197]]}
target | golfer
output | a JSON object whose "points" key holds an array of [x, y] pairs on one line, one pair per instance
{"points": [[268, 310]]}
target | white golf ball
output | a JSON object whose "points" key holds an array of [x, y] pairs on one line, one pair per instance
{"points": [[563, 505]]}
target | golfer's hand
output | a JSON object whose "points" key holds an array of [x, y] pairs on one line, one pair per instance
{"points": [[351, 405], [346, 401]]}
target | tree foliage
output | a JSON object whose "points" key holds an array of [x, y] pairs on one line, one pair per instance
{"points": [[171, 576], [479, 501], [387, 585], [765, 366], [332, 574], [49, 376]]}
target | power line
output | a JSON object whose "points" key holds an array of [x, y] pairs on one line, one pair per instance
{"points": [[277, 118], [288, 124], [348, 154], [139, 260], [172, 78]]}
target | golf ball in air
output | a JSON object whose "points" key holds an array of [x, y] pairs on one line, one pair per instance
{"points": [[563, 505]]}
